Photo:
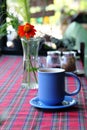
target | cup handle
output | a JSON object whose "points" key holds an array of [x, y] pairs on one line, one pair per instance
{"points": [[79, 84]]}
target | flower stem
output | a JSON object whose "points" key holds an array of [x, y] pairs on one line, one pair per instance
{"points": [[33, 70], [27, 9]]}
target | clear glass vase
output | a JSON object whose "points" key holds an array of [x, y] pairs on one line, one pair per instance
{"points": [[30, 64]]}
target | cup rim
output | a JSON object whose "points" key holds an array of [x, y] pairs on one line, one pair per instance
{"points": [[51, 70]]}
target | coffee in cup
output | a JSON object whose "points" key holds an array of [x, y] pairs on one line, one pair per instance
{"points": [[51, 85]]}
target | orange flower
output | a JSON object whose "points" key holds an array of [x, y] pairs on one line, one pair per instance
{"points": [[26, 31]]}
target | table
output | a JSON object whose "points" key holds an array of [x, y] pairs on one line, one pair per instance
{"points": [[23, 116]]}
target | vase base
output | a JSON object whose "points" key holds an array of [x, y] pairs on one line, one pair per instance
{"points": [[29, 86]]}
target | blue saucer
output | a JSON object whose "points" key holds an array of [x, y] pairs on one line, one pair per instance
{"points": [[67, 102]]}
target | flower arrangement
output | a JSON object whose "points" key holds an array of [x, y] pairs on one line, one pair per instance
{"points": [[26, 31], [30, 52]]}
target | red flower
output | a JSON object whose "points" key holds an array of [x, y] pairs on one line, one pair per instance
{"points": [[26, 31]]}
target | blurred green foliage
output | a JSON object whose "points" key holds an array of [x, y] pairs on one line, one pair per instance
{"points": [[21, 9]]}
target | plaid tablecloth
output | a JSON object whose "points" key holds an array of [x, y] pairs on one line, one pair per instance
{"points": [[22, 116]]}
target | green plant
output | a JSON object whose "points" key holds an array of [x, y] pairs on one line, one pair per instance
{"points": [[65, 42], [13, 20], [22, 7]]}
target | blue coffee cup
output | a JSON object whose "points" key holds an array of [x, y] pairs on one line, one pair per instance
{"points": [[51, 85]]}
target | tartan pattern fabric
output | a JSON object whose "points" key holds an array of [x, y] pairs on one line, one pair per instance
{"points": [[23, 116]]}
